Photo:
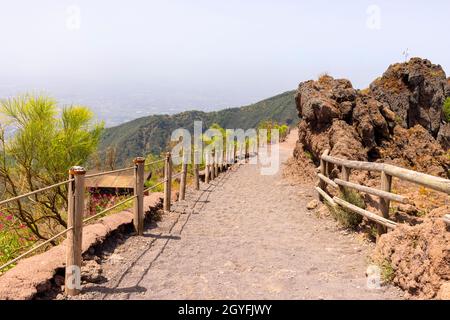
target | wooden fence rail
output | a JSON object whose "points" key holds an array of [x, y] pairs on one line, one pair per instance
{"points": [[385, 195]]}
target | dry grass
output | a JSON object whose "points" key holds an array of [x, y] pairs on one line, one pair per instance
{"points": [[425, 200], [345, 217], [324, 78]]}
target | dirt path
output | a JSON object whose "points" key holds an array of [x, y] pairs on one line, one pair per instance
{"points": [[245, 236]]}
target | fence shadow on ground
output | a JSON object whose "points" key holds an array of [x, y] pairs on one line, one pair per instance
{"points": [[197, 207]]}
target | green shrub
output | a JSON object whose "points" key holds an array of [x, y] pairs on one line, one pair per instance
{"points": [[15, 237], [446, 110], [345, 217], [157, 173], [309, 155]]}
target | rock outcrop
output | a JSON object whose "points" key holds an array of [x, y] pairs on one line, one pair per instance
{"points": [[397, 119], [447, 88], [415, 91], [420, 257]]}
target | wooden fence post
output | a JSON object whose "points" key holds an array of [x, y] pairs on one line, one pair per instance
{"points": [[345, 176], [224, 160], [212, 168], [167, 182], [207, 167], [138, 218], [216, 163], [183, 178], [329, 168], [75, 235], [323, 171], [196, 167], [346, 173], [386, 184], [247, 152]]}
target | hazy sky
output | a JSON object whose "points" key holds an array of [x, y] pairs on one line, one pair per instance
{"points": [[173, 55]]}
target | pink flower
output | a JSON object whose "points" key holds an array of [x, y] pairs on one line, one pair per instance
{"points": [[9, 218], [1, 226]]}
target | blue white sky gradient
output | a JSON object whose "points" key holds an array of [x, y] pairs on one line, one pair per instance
{"points": [[172, 55]]}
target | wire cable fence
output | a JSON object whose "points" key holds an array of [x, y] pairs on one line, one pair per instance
{"points": [[64, 232], [155, 186], [109, 209], [76, 208], [154, 162], [108, 172], [29, 194], [23, 255]]}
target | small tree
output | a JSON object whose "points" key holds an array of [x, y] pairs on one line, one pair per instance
{"points": [[284, 129], [38, 144], [269, 125]]}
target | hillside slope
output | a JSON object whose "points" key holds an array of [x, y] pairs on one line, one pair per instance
{"points": [[151, 134]]}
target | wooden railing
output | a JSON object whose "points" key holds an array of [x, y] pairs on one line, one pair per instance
{"points": [[385, 193], [76, 200]]}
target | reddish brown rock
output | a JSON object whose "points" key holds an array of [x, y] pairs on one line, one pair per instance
{"points": [[345, 142], [444, 292], [443, 137], [370, 122], [398, 120], [418, 150], [419, 257], [415, 91]]}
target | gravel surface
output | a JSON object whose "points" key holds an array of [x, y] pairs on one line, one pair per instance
{"points": [[244, 236]]}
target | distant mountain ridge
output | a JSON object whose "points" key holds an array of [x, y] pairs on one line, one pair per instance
{"points": [[152, 134]]}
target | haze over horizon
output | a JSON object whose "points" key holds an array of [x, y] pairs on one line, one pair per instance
{"points": [[170, 56]]}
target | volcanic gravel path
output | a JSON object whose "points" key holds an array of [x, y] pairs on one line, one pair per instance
{"points": [[244, 236]]}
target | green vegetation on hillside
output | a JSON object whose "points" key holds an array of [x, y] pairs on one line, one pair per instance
{"points": [[270, 125], [152, 134]]}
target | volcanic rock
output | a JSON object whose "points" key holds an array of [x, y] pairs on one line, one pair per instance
{"points": [[398, 119]]}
